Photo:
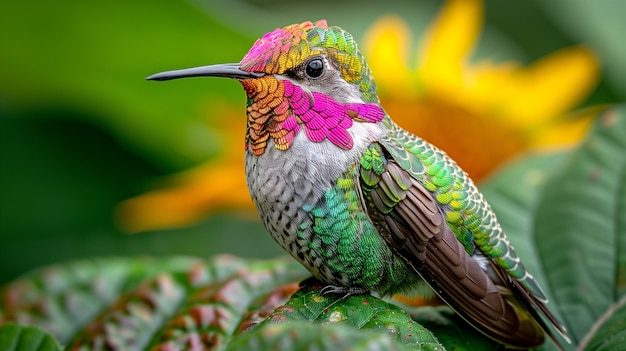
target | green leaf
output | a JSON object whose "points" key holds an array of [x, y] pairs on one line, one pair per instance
{"points": [[62, 298], [609, 332], [306, 336], [361, 312], [579, 226], [16, 337]]}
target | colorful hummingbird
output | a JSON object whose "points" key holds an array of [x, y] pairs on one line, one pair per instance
{"points": [[363, 204]]}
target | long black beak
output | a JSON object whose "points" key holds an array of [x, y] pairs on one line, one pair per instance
{"points": [[228, 70]]}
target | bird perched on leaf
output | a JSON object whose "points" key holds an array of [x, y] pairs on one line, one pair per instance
{"points": [[363, 204]]}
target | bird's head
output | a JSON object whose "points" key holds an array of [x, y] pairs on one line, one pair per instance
{"points": [[303, 76]]}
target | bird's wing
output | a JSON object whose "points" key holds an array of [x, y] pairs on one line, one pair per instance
{"points": [[422, 211]]}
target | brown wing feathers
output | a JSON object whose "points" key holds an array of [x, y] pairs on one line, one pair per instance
{"points": [[416, 228], [470, 292]]}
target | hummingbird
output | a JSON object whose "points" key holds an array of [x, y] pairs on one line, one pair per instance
{"points": [[364, 205]]}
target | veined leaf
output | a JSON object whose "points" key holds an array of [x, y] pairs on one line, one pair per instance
{"points": [[609, 331], [15, 337], [327, 337], [579, 227], [144, 303], [361, 312]]}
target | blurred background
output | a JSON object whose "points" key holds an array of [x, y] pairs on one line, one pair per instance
{"points": [[96, 161]]}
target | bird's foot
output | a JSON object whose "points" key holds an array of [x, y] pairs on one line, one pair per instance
{"points": [[343, 291]]}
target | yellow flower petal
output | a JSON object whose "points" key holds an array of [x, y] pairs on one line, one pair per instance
{"points": [[567, 131], [467, 137], [449, 41], [487, 92], [552, 85], [386, 48]]}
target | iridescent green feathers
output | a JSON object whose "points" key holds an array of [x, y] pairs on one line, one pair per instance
{"points": [[337, 220]]}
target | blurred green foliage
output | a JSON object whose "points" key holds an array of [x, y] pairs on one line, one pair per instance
{"points": [[80, 129]]}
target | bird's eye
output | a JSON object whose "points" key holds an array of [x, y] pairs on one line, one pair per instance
{"points": [[314, 68]]}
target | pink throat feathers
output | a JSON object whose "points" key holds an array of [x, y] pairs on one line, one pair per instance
{"points": [[279, 109]]}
